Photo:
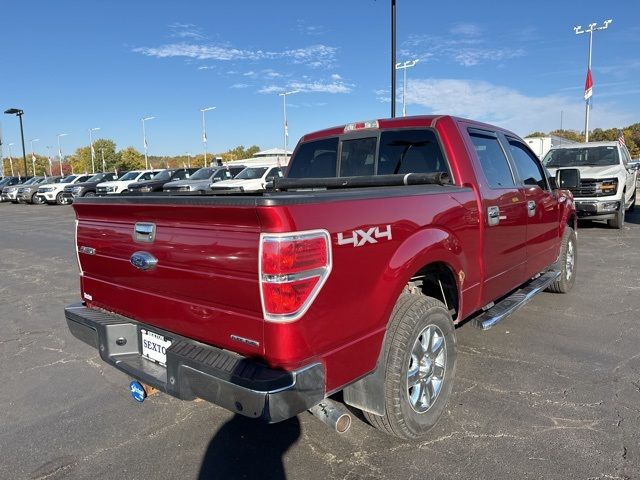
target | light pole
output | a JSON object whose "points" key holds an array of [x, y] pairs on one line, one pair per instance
{"points": [[404, 66], [204, 132], [588, 92], [189, 157], [60, 150], [144, 139], [286, 125], [93, 153], [393, 58], [19, 113], [104, 165], [49, 159], [11, 159], [33, 156]]}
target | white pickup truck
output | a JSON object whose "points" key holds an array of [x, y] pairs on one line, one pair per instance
{"points": [[607, 179]]}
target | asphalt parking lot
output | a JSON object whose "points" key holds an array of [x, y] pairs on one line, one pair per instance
{"points": [[551, 392]]}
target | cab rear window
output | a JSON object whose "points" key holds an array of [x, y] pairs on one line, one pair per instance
{"points": [[315, 159], [389, 152]]}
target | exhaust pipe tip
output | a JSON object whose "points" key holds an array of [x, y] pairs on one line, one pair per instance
{"points": [[333, 414]]}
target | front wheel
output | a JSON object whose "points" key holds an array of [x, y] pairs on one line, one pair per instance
{"points": [[35, 199], [618, 221], [89, 194], [59, 199], [419, 369]]}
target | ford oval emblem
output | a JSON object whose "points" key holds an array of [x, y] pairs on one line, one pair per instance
{"points": [[143, 260]]}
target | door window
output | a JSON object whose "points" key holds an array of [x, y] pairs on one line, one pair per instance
{"points": [[492, 160], [529, 171]]}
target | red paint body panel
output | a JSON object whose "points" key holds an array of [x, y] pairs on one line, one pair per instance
{"points": [[206, 283]]}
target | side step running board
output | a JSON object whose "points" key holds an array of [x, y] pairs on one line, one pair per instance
{"points": [[513, 302]]}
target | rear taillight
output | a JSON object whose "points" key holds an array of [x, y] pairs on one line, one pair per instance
{"points": [[293, 268]]}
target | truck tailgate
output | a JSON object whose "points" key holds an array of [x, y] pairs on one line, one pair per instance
{"points": [[205, 283]]}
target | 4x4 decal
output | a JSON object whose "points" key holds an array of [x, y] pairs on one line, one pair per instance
{"points": [[358, 238]]}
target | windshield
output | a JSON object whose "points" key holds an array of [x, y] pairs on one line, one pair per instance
{"points": [[251, 173], [97, 177], [129, 176], [581, 157], [163, 175], [30, 181], [203, 174], [69, 179], [4, 181]]}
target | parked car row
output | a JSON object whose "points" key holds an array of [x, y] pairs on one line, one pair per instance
{"points": [[62, 190]]}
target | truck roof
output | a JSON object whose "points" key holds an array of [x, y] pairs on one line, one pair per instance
{"points": [[402, 122], [612, 143]]}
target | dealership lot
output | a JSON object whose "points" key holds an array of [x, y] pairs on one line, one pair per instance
{"points": [[551, 392]]}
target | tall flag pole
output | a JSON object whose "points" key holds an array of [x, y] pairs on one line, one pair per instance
{"points": [[588, 86]]}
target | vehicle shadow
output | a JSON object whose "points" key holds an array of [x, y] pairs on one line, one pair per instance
{"points": [[248, 448]]}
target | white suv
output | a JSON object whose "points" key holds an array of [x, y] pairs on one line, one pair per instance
{"points": [[251, 179], [607, 179], [51, 193], [122, 184]]}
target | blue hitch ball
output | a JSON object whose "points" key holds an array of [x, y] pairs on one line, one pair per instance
{"points": [[137, 391]]}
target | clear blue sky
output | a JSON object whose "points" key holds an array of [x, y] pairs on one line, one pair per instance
{"points": [[78, 64]]}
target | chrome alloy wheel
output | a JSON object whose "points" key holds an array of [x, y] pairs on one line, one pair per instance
{"points": [[426, 368], [571, 260]]}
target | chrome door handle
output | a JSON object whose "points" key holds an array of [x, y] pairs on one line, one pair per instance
{"points": [[493, 216], [531, 208]]}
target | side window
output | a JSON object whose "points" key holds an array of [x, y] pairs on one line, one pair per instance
{"points": [[492, 160], [626, 158], [410, 151], [181, 175], [146, 176], [316, 159], [358, 157], [274, 172], [527, 165], [220, 175]]}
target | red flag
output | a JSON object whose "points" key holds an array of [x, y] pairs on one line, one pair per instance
{"points": [[588, 86]]}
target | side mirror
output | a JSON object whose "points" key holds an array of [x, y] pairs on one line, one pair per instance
{"points": [[568, 178], [635, 165]]}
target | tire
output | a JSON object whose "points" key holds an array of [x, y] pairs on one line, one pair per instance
{"points": [[414, 320], [89, 194], [618, 222], [59, 199], [35, 200], [566, 263]]}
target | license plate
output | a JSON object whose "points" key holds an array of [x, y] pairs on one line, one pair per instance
{"points": [[154, 346]]}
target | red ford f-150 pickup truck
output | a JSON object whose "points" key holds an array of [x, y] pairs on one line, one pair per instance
{"points": [[349, 274]]}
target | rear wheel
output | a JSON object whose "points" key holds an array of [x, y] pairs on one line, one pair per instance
{"points": [[420, 367], [618, 221]]}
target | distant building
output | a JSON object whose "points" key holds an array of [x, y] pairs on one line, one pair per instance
{"points": [[541, 145], [272, 156]]}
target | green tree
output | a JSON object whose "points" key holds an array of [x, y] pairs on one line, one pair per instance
{"points": [[568, 134], [536, 135], [130, 159]]}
